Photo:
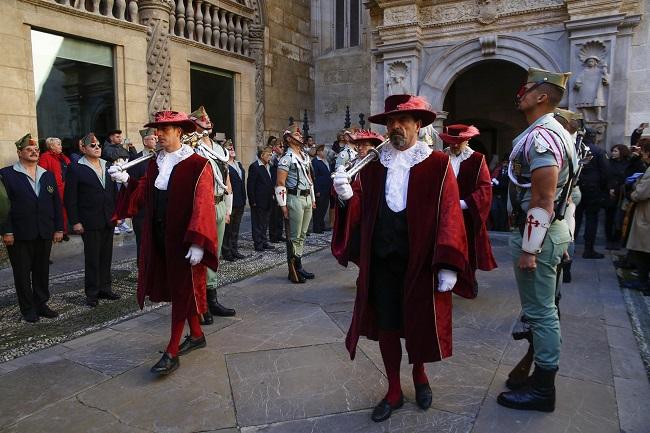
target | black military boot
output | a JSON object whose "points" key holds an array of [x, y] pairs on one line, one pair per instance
{"points": [[302, 271], [215, 307], [294, 276], [539, 394], [206, 318]]}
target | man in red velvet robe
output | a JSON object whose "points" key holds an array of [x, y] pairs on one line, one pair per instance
{"points": [[475, 188], [179, 236], [411, 245]]}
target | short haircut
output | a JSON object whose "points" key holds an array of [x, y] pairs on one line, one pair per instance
{"points": [[269, 142], [262, 149], [553, 92], [51, 140]]}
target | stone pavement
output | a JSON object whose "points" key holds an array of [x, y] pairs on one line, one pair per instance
{"points": [[280, 366]]}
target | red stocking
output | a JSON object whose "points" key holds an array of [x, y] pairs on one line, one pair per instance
{"points": [[175, 339], [419, 376], [195, 326], [391, 353]]}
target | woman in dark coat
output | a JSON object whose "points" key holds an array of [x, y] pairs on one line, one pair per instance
{"points": [[619, 161]]}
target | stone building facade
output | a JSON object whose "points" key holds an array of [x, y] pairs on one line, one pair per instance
{"points": [[469, 57], [73, 66]]}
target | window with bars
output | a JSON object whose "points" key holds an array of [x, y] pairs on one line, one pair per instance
{"points": [[347, 17]]}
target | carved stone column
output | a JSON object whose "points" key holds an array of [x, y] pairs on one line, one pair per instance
{"points": [[257, 52], [155, 15]]}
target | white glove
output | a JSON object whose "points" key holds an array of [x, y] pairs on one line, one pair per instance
{"points": [[463, 205], [194, 254], [342, 184], [495, 181], [446, 280], [117, 174]]}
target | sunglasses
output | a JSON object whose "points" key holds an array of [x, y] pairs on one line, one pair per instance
{"points": [[93, 145]]}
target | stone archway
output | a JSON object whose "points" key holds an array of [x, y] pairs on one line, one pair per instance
{"points": [[453, 62], [490, 108]]}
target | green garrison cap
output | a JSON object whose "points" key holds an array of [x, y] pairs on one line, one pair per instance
{"points": [[147, 132], [540, 76], [25, 141], [201, 118], [565, 114]]}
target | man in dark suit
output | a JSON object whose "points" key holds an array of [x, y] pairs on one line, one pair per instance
{"points": [[276, 222], [149, 141], [230, 246], [35, 221], [260, 197], [90, 201], [322, 187]]}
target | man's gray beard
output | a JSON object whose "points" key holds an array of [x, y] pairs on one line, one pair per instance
{"points": [[398, 141]]}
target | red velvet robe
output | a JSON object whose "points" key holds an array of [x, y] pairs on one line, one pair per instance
{"points": [[436, 240], [475, 187], [190, 220]]}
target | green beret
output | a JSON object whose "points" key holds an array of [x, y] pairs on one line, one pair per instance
{"points": [[25, 141], [147, 132], [540, 76]]}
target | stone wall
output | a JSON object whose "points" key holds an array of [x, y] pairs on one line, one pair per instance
{"points": [[639, 75], [289, 74]]}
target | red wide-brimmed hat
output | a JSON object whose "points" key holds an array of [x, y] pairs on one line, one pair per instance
{"points": [[173, 118], [416, 106], [456, 134], [366, 135]]}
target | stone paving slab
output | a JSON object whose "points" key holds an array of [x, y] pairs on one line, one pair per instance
{"points": [[410, 419], [281, 385], [31, 388]]}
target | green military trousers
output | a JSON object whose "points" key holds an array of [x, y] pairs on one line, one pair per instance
{"points": [[221, 228], [300, 211], [537, 293]]}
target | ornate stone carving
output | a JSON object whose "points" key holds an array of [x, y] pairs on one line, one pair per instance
{"points": [[487, 11], [483, 11], [488, 45], [398, 79], [400, 15], [155, 15], [592, 80]]}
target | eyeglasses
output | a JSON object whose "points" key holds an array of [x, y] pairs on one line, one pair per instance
{"points": [[93, 145]]}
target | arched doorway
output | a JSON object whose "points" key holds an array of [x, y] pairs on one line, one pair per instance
{"points": [[483, 96]]}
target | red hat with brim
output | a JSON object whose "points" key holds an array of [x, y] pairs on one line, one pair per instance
{"points": [[456, 134], [416, 106], [172, 118], [364, 135]]}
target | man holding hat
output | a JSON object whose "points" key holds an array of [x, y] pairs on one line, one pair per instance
{"points": [[222, 198], [410, 247], [35, 221], [179, 237], [475, 188], [294, 192], [541, 162]]}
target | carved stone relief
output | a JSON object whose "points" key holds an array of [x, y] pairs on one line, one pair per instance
{"points": [[591, 82], [400, 15], [483, 11], [398, 78], [257, 52], [155, 15]]}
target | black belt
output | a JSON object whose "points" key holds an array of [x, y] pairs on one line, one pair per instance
{"points": [[302, 192]]}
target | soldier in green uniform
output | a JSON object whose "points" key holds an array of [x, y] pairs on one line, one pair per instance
{"points": [[294, 192], [216, 153], [541, 164]]}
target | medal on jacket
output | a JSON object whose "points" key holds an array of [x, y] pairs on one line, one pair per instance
{"points": [[50, 189]]}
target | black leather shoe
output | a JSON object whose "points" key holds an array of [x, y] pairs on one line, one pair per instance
{"points": [[166, 365], [423, 396], [259, 249], [47, 312], [206, 319], [302, 271], [383, 410], [215, 307], [229, 258], [238, 255], [92, 303], [111, 296], [31, 317], [539, 394], [190, 344], [592, 254], [268, 247]]}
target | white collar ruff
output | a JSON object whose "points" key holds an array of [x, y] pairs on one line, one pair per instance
{"points": [[456, 160], [167, 161], [399, 163]]}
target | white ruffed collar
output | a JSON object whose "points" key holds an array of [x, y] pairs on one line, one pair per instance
{"points": [[455, 160], [399, 163], [167, 161]]}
